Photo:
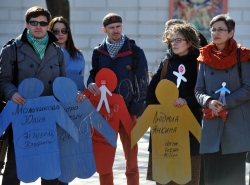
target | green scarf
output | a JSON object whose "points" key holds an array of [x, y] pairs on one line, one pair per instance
{"points": [[39, 45]]}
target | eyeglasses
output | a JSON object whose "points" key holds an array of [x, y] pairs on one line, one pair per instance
{"points": [[63, 31], [35, 23], [220, 30], [177, 40]]}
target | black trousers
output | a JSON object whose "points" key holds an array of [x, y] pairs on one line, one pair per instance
{"points": [[10, 174], [227, 169]]}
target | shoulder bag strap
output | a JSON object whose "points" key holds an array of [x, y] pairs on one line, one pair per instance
{"points": [[239, 63], [164, 69], [14, 63]]}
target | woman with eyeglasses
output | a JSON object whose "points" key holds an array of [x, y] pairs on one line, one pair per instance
{"points": [[74, 59], [183, 42], [226, 130]]}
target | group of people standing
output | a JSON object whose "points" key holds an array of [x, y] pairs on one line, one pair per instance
{"points": [[45, 50], [220, 157]]}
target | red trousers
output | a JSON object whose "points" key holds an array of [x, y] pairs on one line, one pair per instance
{"points": [[132, 172]]}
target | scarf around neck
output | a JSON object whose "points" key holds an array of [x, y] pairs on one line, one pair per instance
{"points": [[39, 45], [223, 59], [114, 48]]}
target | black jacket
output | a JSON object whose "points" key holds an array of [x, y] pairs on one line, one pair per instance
{"points": [[186, 89], [122, 66]]}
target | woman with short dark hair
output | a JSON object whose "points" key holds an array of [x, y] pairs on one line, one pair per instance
{"points": [[223, 89]]}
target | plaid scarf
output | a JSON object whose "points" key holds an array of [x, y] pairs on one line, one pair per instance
{"points": [[39, 45], [114, 48]]}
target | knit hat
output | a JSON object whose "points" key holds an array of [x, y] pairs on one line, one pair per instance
{"points": [[111, 18]]}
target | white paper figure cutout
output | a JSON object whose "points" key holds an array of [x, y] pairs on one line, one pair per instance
{"points": [[180, 74], [104, 90], [223, 92]]}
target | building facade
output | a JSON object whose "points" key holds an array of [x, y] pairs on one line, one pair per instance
{"points": [[143, 21]]}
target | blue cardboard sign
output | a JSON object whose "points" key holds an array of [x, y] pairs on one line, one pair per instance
{"points": [[77, 159], [35, 133]]}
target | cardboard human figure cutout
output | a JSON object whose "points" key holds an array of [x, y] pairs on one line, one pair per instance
{"points": [[104, 153], [77, 159], [222, 92], [104, 91], [35, 133], [170, 128], [207, 113], [179, 74]]}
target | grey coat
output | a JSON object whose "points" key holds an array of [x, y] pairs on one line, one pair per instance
{"points": [[234, 135], [30, 65]]}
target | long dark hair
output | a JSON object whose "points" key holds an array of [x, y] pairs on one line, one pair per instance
{"points": [[74, 52]]}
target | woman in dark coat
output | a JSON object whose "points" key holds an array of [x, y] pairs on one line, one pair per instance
{"points": [[183, 41]]}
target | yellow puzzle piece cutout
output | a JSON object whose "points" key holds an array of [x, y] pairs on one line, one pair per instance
{"points": [[170, 128]]}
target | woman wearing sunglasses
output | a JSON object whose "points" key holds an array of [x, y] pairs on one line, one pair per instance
{"points": [[181, 68], [74, 59]]}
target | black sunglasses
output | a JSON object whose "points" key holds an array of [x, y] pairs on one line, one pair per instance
{"points": [[63, 31], [35, 23]]}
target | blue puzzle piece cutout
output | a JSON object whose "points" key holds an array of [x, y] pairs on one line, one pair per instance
{"points": [[35, 133], [77, 159]]}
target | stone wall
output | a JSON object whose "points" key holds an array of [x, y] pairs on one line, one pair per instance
{"points": [[143, 21]]}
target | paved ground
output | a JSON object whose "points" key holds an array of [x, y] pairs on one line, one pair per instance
{"points": [[119, 167], [247, 173]]}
